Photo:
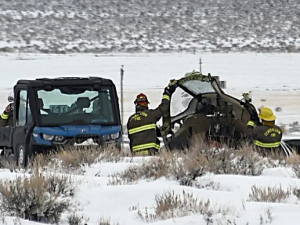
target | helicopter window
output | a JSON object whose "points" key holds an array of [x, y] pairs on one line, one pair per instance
{"points": [[179, 102], [198, 87]]}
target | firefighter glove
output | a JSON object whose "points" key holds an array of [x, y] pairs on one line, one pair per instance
{"points": [[171, 87]]}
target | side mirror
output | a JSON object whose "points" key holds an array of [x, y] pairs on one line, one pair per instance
{"points": [[10, 99]]}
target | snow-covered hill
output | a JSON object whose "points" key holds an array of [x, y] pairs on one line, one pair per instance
{"points": [[149, 26]]}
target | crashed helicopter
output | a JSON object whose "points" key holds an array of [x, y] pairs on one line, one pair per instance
{"points": [[209, 112]]}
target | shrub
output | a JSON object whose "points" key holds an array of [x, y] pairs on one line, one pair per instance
{"points": [[186, 166], [36, 197], [106, 221], [8, 163], [86, 155], [76, 219], [69, 159], [266, 218], [272, 194], [61, 185], [293, 161], [154, 168], [75, 159], [170, 205]]}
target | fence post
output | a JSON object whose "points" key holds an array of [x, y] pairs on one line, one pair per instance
{"points": [[122, 96], [200, 65], [122, 105]]}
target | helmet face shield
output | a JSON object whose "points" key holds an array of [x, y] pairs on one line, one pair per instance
{"points": [[145, 104], [142, 100]]}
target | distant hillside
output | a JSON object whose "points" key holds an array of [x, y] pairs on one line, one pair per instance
{"points": [[100, 26]]}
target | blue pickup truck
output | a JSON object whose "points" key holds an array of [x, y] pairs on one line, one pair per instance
{"points": [[50, 113]]}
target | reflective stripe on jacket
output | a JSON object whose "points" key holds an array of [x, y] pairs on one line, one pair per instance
{"points": [[4, 116], [142, 128], [6, 119], [264, 136]]}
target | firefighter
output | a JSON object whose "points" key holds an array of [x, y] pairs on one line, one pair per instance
{"points": [[266, 136], [6, 118], [141, 126]]}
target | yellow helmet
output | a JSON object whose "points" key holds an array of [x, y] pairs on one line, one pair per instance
{"points": [[266, 114]]}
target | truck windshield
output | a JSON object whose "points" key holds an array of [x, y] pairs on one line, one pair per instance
{"points": [[77, 106]]}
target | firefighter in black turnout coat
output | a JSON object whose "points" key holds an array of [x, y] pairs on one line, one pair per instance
{"points": [[6, 118], [265, 136], [141, 126]]}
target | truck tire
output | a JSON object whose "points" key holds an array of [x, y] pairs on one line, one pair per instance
{"points": [[21, 156]]}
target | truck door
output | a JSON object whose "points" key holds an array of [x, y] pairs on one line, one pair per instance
{"points": [[23, 126]]}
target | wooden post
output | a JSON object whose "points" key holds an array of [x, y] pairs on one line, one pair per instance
{"points": [[200, 66], [122, 105], [122, 96]]}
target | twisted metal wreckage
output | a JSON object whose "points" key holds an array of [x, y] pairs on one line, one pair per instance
{"points": [[211, 113]]}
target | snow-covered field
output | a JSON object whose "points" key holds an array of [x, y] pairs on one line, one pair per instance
{"points": [[96, 198], [272, 77]]}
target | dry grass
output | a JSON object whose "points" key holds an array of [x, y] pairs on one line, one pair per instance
{"points": [[37, 197], [186, 166], [272, 194], [266, 218], [69, 159], [154, 168], [106, 221], [87, 155], [170, 205], [76, 219], [9, 163], [201, 158], [293, 159]]}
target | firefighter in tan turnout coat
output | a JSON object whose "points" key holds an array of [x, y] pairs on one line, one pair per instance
{"points": [[265, 136], [141, 126]]}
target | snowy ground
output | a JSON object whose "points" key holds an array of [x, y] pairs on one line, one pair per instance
{"points": [[97, 199], [271, 77]]}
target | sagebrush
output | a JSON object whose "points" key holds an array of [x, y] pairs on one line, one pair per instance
{"points": [[69, 159], [170, 205], [77, 219], [272, 194], [185, 166], [38, 197]]}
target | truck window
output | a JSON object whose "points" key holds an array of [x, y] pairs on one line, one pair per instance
{"points": [[24, 112], [21, 101]]}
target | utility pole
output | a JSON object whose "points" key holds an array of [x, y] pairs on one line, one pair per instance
{"points": [[200, 65], [122, 96], [122, 105]]}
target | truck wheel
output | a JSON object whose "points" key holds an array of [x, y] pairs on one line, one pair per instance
{"points": [[21, 156]]}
